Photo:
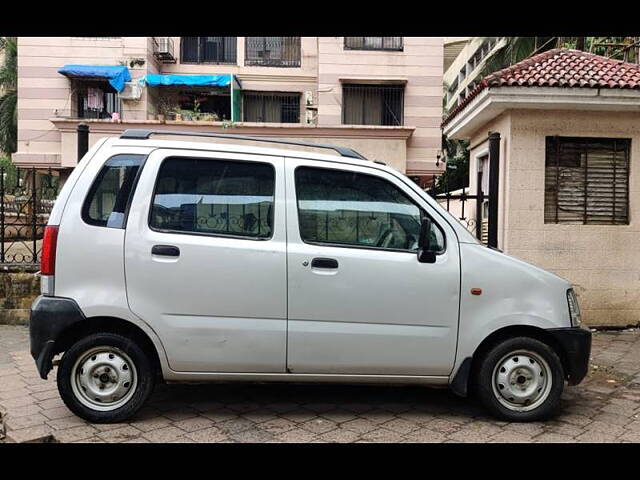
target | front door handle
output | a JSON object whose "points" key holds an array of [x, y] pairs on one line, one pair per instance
{"points": [[324, 263], [165, 250]]}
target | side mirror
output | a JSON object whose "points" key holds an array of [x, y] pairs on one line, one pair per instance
{"points": [[425, 254]]}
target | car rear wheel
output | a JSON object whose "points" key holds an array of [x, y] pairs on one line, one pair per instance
{"points": [[520, 379], [105, 378]]}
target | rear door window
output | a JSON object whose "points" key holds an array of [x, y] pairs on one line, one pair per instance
{"points": [[108, 199]]}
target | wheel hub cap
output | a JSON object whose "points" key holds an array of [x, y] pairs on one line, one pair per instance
{"points": [[104, 378], [522, 380]]}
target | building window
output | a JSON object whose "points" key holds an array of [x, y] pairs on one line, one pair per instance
{"points": [[272, 51], [587, 180], [373, 43], [214, 197], [96, 99], [208, 50], [372, 104], [272, 107]]}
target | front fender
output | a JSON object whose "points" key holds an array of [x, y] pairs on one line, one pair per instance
{"points": [[514, 293]]}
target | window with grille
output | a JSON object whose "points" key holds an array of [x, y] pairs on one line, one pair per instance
{"points": [[587, 180], [208, 50], [271, 107], [372, 104], [272, 51], [373, 43]]}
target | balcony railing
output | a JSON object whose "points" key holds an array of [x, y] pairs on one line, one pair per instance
{"points": [[272, 51], [373, 43]]}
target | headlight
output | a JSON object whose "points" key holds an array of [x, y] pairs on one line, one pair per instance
{"points": [[574, 308]]}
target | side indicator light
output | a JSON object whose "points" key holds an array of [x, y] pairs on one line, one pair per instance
{"points": [[476, 291]]}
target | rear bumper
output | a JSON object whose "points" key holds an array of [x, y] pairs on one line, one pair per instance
{"points": [[50, 316], [576, 345]]}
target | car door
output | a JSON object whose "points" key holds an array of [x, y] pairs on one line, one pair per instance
{"points": [[359, 301], [205, 259]]}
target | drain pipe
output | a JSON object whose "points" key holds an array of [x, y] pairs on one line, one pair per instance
{"points": [[494, 184], [83, 140]]}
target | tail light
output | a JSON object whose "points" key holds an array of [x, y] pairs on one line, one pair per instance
{"points": [[49, 244]]}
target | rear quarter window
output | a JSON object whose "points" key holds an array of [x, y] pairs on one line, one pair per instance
{"points": [[109, 196]]}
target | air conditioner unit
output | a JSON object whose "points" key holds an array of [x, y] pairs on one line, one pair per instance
{"points": [[162, 46], [310, 117], [308, 97], [132, 91]]}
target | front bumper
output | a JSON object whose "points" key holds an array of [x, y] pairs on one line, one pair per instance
{"points": [[576, 345], [50, 317]]}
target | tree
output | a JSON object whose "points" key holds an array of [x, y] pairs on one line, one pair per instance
{"points": [[516, 49], [456, 174], [9, 95]]}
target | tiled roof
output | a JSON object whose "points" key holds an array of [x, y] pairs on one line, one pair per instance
{"points": [[561, 68]]}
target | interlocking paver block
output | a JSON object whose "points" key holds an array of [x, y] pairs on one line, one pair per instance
{"points": [[193, 424], [30, 434], [340, 435], [319, 425], [208, 435], [74, 434], [381, 434], [119, 435], [165, 434]]}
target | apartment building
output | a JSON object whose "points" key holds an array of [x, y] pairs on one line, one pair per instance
{"points": [[381, 96], [465, 58]]}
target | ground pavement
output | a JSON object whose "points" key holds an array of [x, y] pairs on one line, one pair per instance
{"points": [[604, 408]]}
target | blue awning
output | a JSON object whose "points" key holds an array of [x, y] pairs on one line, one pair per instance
{"points": [[116, 74], [155, 80]]}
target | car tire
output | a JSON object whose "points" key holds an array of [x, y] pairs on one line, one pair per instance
{"points": [[105, 378], [520, 379]]}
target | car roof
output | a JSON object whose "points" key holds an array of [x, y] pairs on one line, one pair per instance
{"points": [[224, 145]]}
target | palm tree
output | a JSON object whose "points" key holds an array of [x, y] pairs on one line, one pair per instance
{"points": [[516, 49], [9, 95]]}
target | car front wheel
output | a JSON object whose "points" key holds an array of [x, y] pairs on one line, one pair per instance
{"points": [[520, 379]]}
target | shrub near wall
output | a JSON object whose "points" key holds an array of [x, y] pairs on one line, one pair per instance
{"points": [[17, 293]]}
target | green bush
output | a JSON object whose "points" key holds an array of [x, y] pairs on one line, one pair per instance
{"points": [[10, 171]]}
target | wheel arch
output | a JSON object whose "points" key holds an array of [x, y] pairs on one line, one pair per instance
{"points": [[91, 325], [462, 380]]}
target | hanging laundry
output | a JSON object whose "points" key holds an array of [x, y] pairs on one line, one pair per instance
{"points": [[95, 99]]}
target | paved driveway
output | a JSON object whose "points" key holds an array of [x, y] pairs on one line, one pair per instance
{"points": [[604, 408]]}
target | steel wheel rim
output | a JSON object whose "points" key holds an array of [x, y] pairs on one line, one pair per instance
{"points": [[521, 380], [104, 378]]}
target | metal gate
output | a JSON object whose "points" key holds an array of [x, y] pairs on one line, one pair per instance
{"points": [[469, 209], [27, 196], [478, 212]]}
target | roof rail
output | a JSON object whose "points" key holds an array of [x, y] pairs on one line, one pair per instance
{"points": [[144, 134]]}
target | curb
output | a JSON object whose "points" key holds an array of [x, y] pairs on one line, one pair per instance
{"points": [[15, 317]]}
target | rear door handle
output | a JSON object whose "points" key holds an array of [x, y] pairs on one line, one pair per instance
{"points": [[165, 250], [324, 263]]}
